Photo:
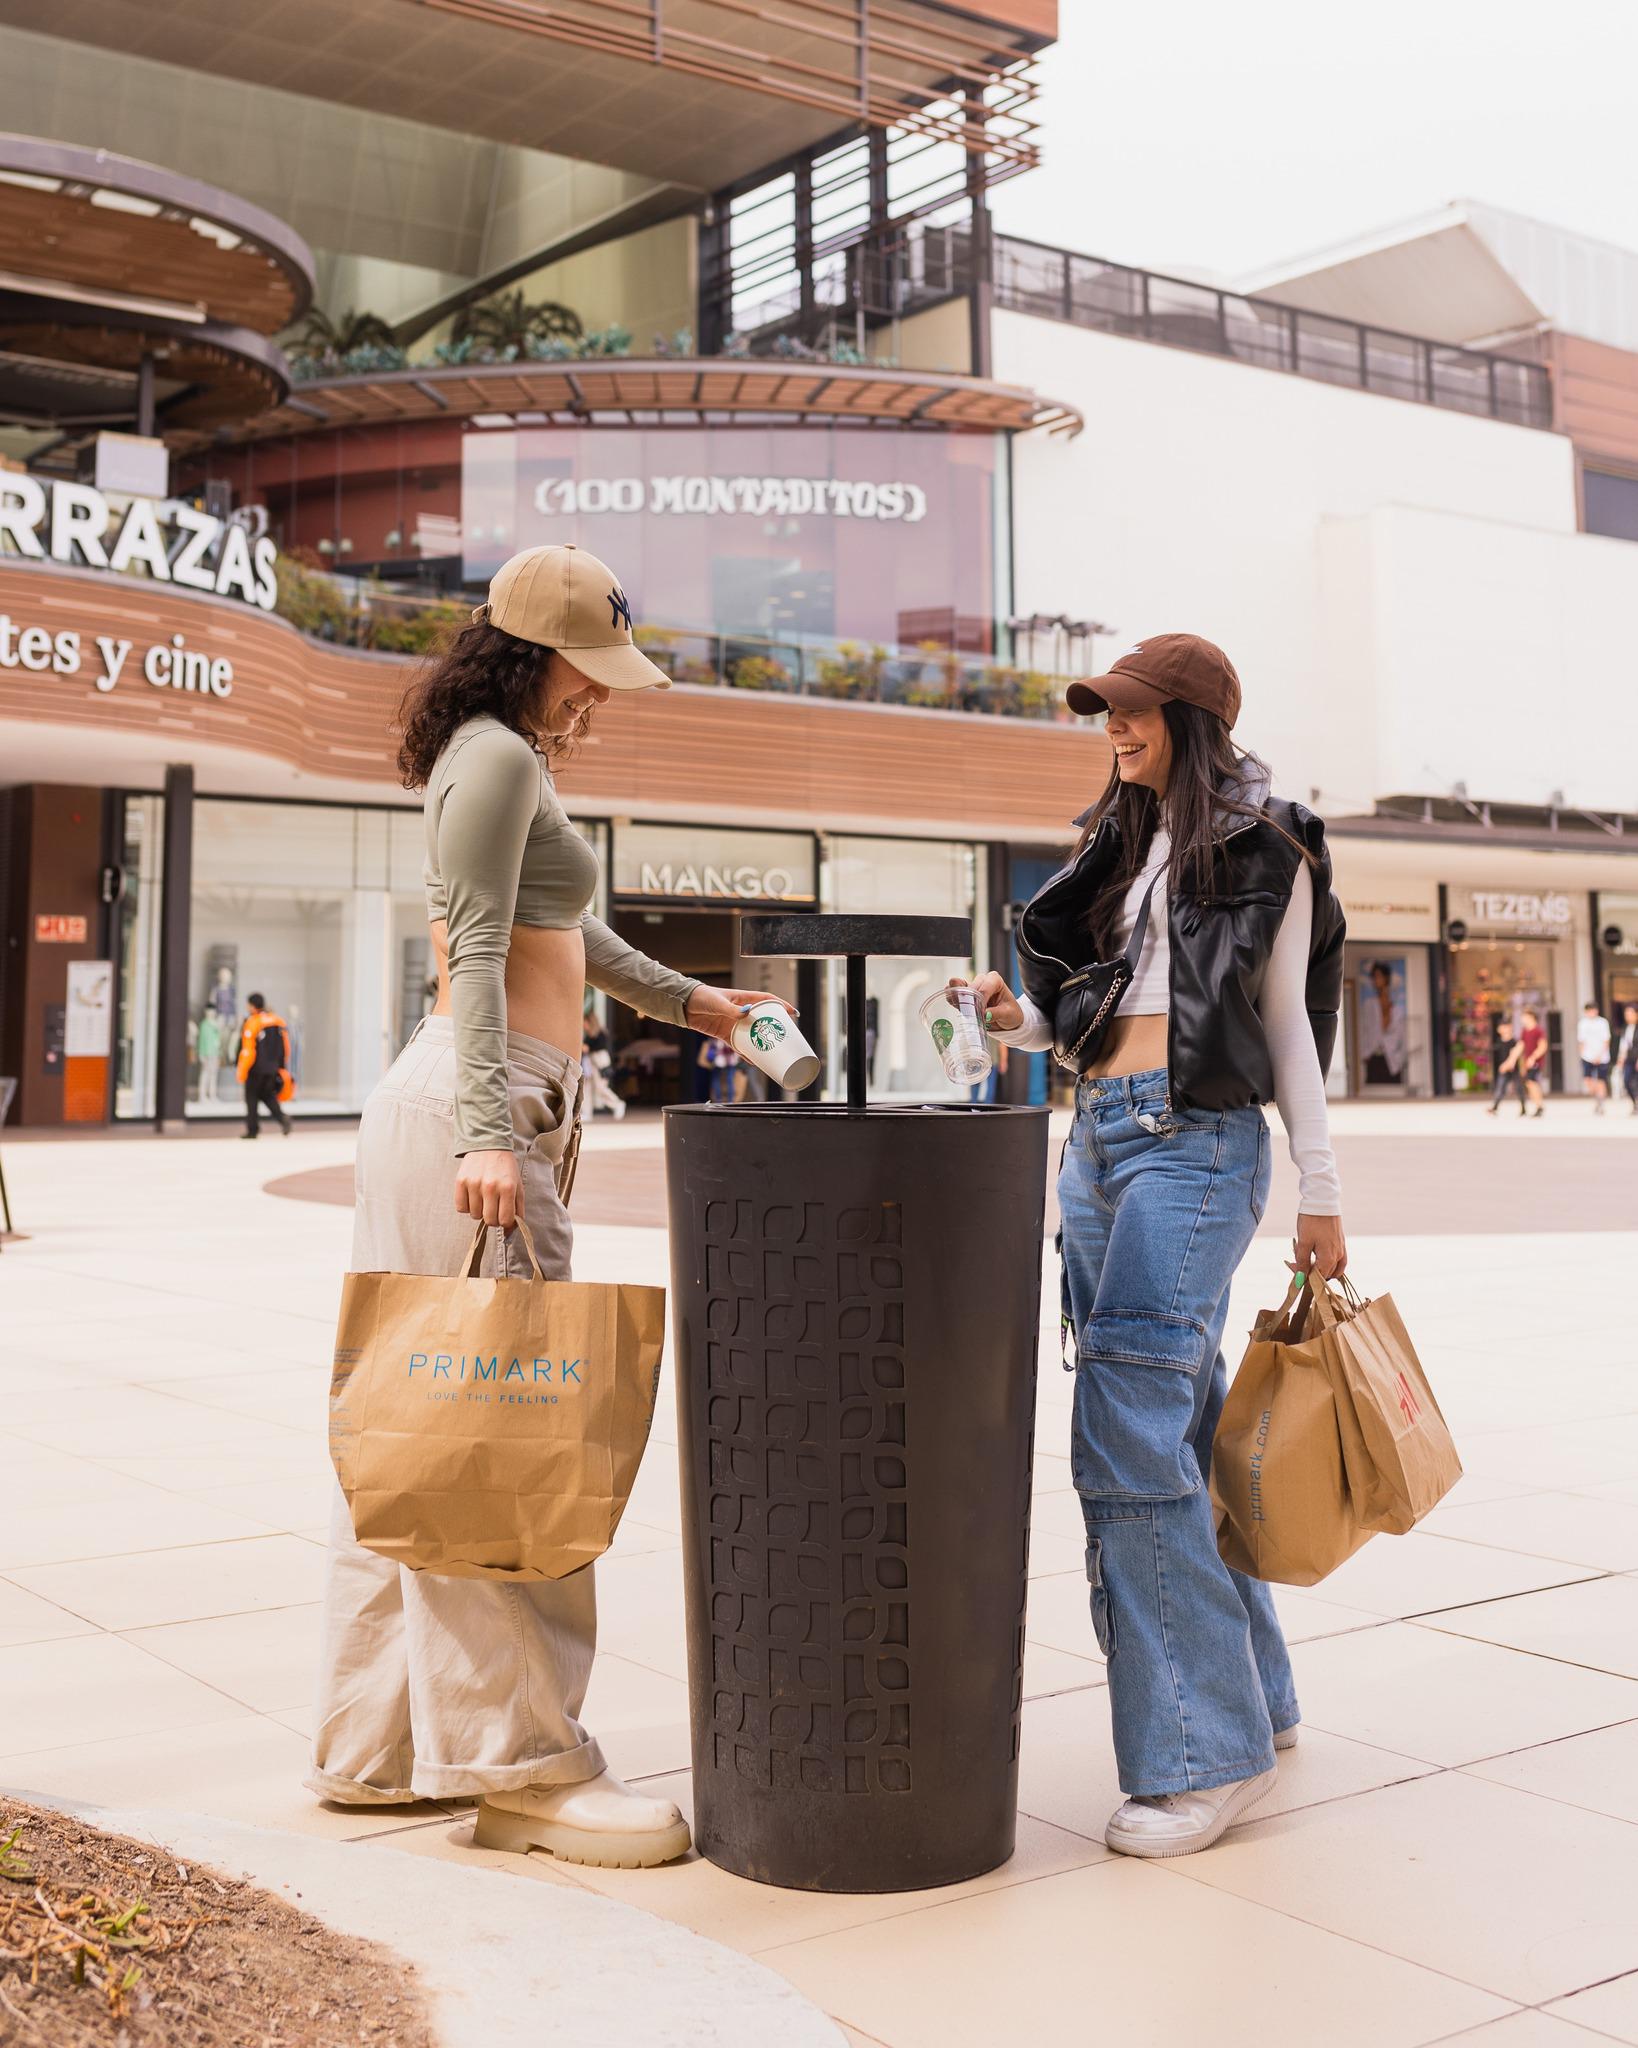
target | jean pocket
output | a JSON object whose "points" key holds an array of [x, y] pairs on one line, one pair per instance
{"points": [[1103, 1615], [1134, 1405], [541, 1118]]}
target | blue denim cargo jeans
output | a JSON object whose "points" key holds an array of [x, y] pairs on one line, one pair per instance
{"points": [[1158, 1208]]}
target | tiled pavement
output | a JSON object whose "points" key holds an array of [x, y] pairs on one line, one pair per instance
{"points": [[1453, 1849]]}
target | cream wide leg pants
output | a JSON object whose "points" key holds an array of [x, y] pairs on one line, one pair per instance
{"points": [[434, 1687]]}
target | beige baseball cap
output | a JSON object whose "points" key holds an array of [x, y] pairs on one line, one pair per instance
{"points": [[563, 597]]}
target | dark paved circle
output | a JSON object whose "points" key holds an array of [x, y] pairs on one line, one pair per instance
{"points": [[1392, 1186]]}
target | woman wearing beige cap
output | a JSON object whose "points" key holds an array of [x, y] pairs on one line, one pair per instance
{"points": [[1186, 966], [433, 1687]]}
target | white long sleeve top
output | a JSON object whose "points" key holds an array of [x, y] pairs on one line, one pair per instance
{"points": [[1299, 1086]]}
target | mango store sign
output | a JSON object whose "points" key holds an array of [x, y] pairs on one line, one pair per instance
{"points": [[173, 541], [168, 664]]}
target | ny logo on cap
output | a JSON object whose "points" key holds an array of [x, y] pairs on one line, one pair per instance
{"points": [[619, 608]]}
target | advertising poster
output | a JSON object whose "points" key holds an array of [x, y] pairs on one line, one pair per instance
{"points": [[1383, 1007]]}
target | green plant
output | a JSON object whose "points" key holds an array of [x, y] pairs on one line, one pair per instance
{"points": [[508, 321], [324, 334], [852, 671], [414, 631], [758, 672], [312, 601]]}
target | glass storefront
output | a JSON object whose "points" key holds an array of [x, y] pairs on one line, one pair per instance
{"points": [[1618, 951], [142, 862], [1387, 1019], [1515, 952], [933, 878]]}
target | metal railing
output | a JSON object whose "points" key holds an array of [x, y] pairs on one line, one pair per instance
{"points": [[1058, 284]]}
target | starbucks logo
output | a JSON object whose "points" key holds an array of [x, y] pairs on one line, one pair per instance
{"points": [[943, 1032], [766, 1033]]}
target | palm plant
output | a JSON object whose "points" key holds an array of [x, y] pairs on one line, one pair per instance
{"points": [[508, 321], [329, 334]]}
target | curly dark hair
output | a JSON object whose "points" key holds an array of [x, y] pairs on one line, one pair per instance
{"points": [[480, 670]]}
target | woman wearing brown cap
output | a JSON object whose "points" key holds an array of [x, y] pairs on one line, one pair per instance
{"points": [[1217, 900], [434, 1687]]}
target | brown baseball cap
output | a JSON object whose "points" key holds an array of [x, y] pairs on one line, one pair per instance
{"points": [[563, 597], [1177, 666]]}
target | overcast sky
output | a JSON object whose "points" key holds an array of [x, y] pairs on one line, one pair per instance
{"points": [[1220, 136]]}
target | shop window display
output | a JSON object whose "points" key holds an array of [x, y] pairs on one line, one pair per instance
{"points": [[1492, 981]]}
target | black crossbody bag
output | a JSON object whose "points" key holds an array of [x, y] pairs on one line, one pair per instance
{"points": [[1088, 1000]]}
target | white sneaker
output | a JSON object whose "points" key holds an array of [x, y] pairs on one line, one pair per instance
{"points": [[601, 1821], [619, 1106], [1179, 1823], [1287, 1737]]}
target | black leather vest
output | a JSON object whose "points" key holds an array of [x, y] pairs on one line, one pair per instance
{"points": [[1221, 940]]}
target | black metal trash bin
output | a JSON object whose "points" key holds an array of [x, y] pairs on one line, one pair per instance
{"points": [[856, 1295]]}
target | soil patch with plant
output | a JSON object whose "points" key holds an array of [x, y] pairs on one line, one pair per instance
{"points": [[111, 1943]]}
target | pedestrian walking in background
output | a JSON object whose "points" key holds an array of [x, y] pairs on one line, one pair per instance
{"points": [[264, 1067], [1592, 1037], [723, 1062], [437, 1687], [1532, 1064], [1219, 898], [595, 1062], [1509, 1080], [1627, 1055]]}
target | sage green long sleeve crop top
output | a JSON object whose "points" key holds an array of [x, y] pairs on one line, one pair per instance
{"points": [[500, 850]]}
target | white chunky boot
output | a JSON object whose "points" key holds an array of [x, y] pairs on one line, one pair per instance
{"points": [[601, 1821], [1179, 1823]]}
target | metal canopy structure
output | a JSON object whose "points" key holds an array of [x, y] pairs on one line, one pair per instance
{"points": [[652, 392]]}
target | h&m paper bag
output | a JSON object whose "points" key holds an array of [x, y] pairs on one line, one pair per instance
{"points": [[491, 1428]]}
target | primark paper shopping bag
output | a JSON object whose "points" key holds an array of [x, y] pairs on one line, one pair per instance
{"points": [[1279, 1475], [1397, 1448], [491, 1428]]}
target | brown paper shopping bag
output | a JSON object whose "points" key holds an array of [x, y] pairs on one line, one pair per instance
{"points": [[491, 1428], [1279, 1478], [1397, 1448]]}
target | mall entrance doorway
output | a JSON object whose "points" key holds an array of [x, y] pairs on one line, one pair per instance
{"points": [[655, 1063]]}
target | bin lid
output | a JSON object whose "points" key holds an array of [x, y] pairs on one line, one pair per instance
{"points": [[883, 933]]}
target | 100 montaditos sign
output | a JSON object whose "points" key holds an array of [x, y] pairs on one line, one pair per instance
{"points": [[763, 497], [169, 539]]}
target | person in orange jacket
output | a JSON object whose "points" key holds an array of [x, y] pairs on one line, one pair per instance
{"points": [[264, 1067]]}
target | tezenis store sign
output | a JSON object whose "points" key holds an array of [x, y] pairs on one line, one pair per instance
{"points": [[173, 541]]}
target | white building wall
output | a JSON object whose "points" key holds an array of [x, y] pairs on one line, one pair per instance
{"points": [[1244, 504]]}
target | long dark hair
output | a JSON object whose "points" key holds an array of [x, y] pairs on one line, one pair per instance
{"points": [[1210, 776], [480, 671]]}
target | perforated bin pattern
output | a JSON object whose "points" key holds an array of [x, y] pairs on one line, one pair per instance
{"points": [[807, 1495]]}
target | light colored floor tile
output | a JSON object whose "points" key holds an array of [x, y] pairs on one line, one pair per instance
{"points": [[1432, 1871], [1472, 1489], [1137, 1944], [291, 1396], [1423, 1693], [26, 1618], [1523, 2030], [284, 1504], [1059, 1613], [1394, 1576], [1597, 1771], [639, 1716], [637, 1539], [1610, 2008], [248, 1769], [1305, 1614], [450, 1841], [298, 1718], [755, 1916], [89, 1688], [136, 1519], [1050, 1554], [1595, 1624], [1058, 1514], [204, 1466], [125, 1421], [184, 1584], [1067, 1769], [640, 1610], [1575, 1527], [1566, 1456], [265, 1659], [1049, 1671]]}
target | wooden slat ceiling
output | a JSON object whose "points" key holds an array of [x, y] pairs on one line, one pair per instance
{"points": [[710, 386], [104, 224], [215, 383]]}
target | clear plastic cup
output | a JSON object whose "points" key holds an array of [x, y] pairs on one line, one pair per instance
{"points": [[952, 1016]]}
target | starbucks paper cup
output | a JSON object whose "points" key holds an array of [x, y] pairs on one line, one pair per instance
{"points": [[768, 1037]]}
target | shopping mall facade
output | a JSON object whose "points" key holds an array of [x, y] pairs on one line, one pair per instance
{"points": [[853, 505]]}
